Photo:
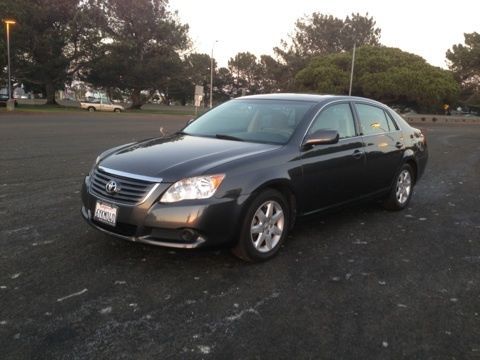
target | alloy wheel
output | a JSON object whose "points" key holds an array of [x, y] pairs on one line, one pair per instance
{"points": [[267, 226], [404, 187]]}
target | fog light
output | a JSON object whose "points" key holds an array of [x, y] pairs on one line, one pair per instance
{"points": [[189, 235]]}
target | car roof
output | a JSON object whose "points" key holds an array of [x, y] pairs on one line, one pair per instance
{"points": [[289, 96], [307, 97]]}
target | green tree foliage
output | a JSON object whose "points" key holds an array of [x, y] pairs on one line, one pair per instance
{"points": [[272, 74], [321, 34], [386, 74], [223, 88], [256, 75], [51, 41], [464, 61], [245, 71], [195, 71], [361, 30], [140, 49]]}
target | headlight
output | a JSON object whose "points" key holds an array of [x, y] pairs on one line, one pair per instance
{"points": [[199, 187], [92, 169]]}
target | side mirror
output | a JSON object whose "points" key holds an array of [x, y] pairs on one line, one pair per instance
{"points": [[190, 121], [320, 137]]}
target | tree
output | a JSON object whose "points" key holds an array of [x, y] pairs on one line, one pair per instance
{"points": [[141, 49], [359, 30], [464, 61], [51, 41], [386, 74], [272, 75], [223, 88], [321, 34], [245, 71], [195, 71]]}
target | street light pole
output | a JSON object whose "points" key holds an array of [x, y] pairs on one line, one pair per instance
{"points": [[351, 72], [7, 24], [211, 74]]}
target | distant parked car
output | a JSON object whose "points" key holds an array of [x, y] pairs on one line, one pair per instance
{"points": [[101, 105], [4, 99], [241, 173]]}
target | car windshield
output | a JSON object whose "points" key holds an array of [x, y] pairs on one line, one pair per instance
{"points": [[253, 120]]}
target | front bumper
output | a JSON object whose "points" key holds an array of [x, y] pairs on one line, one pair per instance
{"points": [[187, 224]]}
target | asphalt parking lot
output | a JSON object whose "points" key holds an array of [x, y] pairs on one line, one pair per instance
{"points": [[362, 283]]}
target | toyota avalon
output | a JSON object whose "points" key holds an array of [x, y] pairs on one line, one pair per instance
{"points": [[241, 173]]}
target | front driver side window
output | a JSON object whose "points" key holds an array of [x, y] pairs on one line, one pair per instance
{"points": [[335, 117]]}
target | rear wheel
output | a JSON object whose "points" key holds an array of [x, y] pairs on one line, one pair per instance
{"points": [[265, 227], [401, 191], [91, 109], [117, 110]]}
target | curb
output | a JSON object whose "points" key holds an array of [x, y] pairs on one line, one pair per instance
{"points": [[442, 119]]}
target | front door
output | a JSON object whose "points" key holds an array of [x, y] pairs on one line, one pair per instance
{"points": [[334, 173]]}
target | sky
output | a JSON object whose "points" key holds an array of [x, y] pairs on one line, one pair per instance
{"points": [[424, 27]]}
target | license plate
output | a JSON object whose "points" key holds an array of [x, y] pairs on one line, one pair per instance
{"points": [[106, 213]]}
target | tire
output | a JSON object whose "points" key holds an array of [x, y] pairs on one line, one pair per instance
{"points": [[402, 189], [265, 227], [117, 110], [91, 109]]}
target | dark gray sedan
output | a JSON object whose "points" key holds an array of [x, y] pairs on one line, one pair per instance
{"points": [[241, 173]]}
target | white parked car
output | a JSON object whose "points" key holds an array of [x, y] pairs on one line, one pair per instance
{"points": [[101, 105]]}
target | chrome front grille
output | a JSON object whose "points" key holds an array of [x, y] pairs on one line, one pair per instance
{"points": [[131, 191]]}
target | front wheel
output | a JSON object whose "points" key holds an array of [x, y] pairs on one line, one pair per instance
{"points": [[91, 109], [117, 110], [265, 227], [402, 189]]}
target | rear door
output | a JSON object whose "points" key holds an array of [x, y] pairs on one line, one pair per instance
{"points": [[334, 173], [383, 145]]}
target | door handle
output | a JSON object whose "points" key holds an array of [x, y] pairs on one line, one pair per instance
{"points": [[357, 154], [398, 145]]}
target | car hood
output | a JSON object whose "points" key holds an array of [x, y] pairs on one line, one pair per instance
{"points": [[179, 156]]}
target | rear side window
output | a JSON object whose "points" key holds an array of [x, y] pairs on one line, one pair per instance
{"points": [[398, 119], [336, 117], [374, 120]]}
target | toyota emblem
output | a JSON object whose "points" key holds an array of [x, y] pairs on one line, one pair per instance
{"points": [[112, 187]]}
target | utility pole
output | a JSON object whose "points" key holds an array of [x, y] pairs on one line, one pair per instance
{"points": [[10, 97], [211, 74], [351, 72]]}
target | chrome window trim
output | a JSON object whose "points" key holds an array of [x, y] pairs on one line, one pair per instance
{"points": [[382, 133], [130, 175]]}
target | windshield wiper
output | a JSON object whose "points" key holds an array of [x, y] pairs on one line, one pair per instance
{"points": [[228, 137]]}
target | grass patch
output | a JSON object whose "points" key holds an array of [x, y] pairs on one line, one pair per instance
{"points": [[61, 109], [45, 108], [161, 112]]}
